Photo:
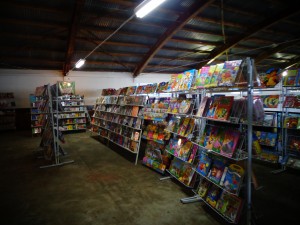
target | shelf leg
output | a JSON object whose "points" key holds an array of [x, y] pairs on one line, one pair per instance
{"points": [[165, 178], [192, 199], [57, 164]]}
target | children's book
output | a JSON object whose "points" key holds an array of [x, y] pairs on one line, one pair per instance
{"points": [[290, 78], [179, 80], [162, 87], [183, 126], [213, 195], [184, 106], [230, 142], [203, 75], [291, 101], [232, 178], [213, 106], [203, 188], [197, 81], [190, 127], [186, 173], [209, 75], [172, 83], [135, 111], [193, 154], [171, 123], [184, 151], [223, 108], [218, 141], [270, 101], [213, 136], [229, 72], [290, 122], [203, 106], [187, 79], [230, 206], [175, 167], [131, 90], [204, 163], [214, 81], [271, 139], [216, 170]]}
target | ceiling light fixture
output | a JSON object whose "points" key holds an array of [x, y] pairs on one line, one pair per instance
{"points": [[146, 7], [80, 63]]}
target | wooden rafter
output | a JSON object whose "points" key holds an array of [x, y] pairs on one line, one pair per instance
{"points": [[72, 35], [195, 9], [251, 31], [276, 49]]}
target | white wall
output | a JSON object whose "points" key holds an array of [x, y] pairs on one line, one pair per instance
{"points": [[23, 82]]}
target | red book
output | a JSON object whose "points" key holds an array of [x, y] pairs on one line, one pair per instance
{"points": [[223, 108]]}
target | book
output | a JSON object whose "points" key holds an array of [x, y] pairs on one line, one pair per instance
{"points": [[232, 178], [135, 111], [230, 206], [162, 87], [209, 75], [172, 83], [203, 188], [193, 154], [216, 170], [223, 108], [204, 164], [203, 107], [214, 81], [202, 77], [230, 142], [213, 195], [197, 80], [290, 78], [184, 151], [213, 106], [229, 72], [270, 101], [183, 126], [186, 173], [184, 106], [187, 79]]}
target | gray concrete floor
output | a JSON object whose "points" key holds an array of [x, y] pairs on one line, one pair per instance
{"points": [[104, 186]]}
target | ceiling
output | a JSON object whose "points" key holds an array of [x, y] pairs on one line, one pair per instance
{"points": [[179, 35]]}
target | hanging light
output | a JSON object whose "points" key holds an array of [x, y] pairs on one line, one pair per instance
{"points": [[146, 7], [80, 63]]}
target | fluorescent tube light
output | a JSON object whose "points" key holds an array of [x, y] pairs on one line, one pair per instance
{"points": [[80, 63], [146, 7]]}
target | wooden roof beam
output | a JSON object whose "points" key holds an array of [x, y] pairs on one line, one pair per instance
{"points": [[275, 49], [195, 9], [251, 31], [72, 35]]}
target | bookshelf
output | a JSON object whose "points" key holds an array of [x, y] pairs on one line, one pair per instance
{"points": [[116, 120], [36, 103], [7, 111]]}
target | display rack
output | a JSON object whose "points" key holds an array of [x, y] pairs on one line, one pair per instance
{"points": [[7, 111], [51, 138], [36, 103], [116, 120]]}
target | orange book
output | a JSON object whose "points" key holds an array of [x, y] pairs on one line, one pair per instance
{"points": [[135, 111]]}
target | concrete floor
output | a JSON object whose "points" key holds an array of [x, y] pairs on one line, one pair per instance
{"points": [[104, 186]]}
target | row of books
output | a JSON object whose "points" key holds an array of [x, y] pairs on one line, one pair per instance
{"points": [[184, 172], [218, 170], [153, 113], [123, 110], [71, 109], [221, 140], [228, 205], [158, 103], [124, 142], [183, 149], [182, 126], [71, 103], [119, 129], [72, 127], [70, 121], [70, 115], [154, 164], [154, 131], [180, 106], [133, 122], [141, 89], [223, 74]]}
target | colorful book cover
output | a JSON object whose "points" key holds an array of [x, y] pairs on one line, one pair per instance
{"points": [[270, 101], [186, 173], [184, 106], [213, 136], [232, 178], [289, 101], [203, 105], [230, 206], [217, 144], [183, 126], [297, 82], [290, 78], [162, 87], [131, 90], [229, 72], [216, 170], [190, 127], [193, 154], [204, 163], [187, 79], [179, 80], [184, 151], [230, 142], [175, 167], [203, 188], [213, 106], [271, 139], [171, 123], [213, 195], [172, 83], [197, 81], [214, 81], [202, 77], [223, 108], [209, 75]]}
